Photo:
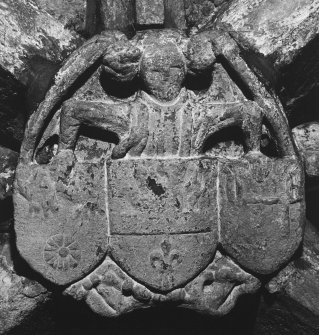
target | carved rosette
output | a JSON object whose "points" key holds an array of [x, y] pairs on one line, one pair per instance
{"points": [[62, 252]]}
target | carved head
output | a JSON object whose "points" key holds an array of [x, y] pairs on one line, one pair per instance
{"points": [[163, 70], [162, 59]]}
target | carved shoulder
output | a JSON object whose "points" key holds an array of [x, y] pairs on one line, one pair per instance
{"points": [[87, 56]]}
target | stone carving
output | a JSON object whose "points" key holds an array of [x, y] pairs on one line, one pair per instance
{"points": [[62, 252], [155, 213], [150, 12], [110, 292], [306, 137], [164, 261]]}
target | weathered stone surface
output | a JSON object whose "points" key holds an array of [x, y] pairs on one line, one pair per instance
{"points": [[13, 110], [122, 61], [110, 14], [71, 13], [276, 29], [177, 219], [167, 186], [149, 12], [199, 12], [8, 163], [75, 66], [26, 33], [109, 292], [307, 140], [255, 202], [294, 306], [74, 239], [298, 281], [139, 191], [175, 16], [19, 296], [284, 36], [284, 316]]}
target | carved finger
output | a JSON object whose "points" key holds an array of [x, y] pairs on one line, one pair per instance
{"points": [[141, 293], [99, 305]]}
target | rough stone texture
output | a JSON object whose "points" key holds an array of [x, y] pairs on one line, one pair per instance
{"points": [[154, 199], [128, 16], [8, 163], [110, 14], [276, 29], [198, 12], [74, 240], [296, 308], [33, 45], [149, 12], [298, 281], [27, 33], [293, 309], [139, 191], [71, 13], [284, 316], [19, 297], [307, 140], [13, 110], [175, 16], [255, 203], [110, 292], [283, 35]]}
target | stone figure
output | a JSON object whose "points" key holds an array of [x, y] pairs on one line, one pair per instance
{"points": [[147, 213]]}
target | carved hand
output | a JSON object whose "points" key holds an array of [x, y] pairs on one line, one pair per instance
{"points": [[121, 61]]}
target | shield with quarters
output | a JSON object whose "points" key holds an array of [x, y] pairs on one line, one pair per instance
{"points": [[59, 220], [163, 218], [159, 218], [262, 210]]}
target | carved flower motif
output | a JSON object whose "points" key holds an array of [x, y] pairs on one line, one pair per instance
{"points": [[62, 252], [165, 261]]}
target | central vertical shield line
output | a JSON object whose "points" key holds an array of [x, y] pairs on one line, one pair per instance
{"points": [[106, 192], [218, 198]]}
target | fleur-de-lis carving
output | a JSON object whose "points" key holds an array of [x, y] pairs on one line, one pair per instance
{"points": [[164, 261]]}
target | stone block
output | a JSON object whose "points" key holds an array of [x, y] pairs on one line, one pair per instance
{"points": [[149, 12], [71, 13], [27, 32], [282, 35]]}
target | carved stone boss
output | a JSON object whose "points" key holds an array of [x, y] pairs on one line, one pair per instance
{"points": [[132, 209]]}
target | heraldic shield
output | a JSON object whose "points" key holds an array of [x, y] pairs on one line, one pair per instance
{"points": [[132, 195], [64, 219], [152, 214], [163, 218]]}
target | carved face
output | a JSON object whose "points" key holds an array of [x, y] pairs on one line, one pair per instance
{"points": [[163, 71]]}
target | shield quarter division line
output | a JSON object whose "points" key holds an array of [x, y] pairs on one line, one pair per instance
{"points": [[106, 194], [218, 199]]}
